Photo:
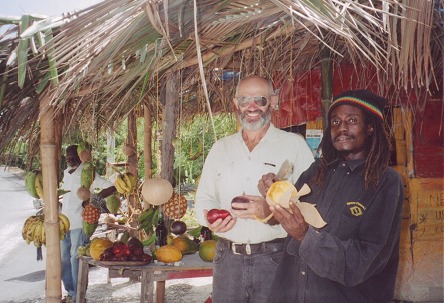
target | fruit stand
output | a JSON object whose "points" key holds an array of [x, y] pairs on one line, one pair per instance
{"points": [[191, 266]]}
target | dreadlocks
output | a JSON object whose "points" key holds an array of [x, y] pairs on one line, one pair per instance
{"points": [[378, 147]]}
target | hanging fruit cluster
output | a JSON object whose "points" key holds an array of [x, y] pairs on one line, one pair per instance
{"points": [[34, 229], [176, 207], [91, 215], [126, 184], [34, 184]]}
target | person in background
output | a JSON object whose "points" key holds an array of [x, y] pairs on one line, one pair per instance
{"points": [[248, 251], [354, 258], [72, 207]]}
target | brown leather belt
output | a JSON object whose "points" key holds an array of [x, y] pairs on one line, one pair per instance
{"points": [[249, 249]]}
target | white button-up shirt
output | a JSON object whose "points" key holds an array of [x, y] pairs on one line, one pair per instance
{"points": [[71, 204], [231, 170]]}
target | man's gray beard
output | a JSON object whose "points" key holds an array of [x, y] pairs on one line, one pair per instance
{"points": [[265, 118]]}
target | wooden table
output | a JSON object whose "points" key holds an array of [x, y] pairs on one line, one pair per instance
{"points": [[191, 266]]}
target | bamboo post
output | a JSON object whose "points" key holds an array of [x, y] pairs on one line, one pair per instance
{"points": [[48, 150], [147, 138], [327, 84]]}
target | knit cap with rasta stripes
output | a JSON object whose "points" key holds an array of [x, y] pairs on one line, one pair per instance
{"points": [[362, 98]]}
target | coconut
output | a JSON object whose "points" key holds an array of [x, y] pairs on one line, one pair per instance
{"points": [[156, 191], [83, 193]]}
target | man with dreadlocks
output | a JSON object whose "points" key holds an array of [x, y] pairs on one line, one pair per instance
{"points": [[353, 258]]}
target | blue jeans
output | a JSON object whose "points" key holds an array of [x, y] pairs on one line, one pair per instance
{"points": [[243, 278], [70, 263]]}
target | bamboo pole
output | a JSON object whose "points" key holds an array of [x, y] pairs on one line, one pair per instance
{"points": [[147, 138], [48, 150]]}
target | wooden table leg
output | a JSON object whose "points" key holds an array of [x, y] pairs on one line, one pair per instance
{"points": [[147, 287], [82, 281], [160, 291]]}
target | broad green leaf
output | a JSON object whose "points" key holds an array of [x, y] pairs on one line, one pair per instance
{"points": [[22, 52]]}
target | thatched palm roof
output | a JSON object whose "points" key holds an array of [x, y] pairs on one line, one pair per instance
{"points": [[98, 64]]}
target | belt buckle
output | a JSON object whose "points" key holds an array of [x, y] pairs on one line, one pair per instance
{"points": [[247, 248]]}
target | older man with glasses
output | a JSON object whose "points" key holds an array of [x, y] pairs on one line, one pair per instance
{"points": [[248, 249]]}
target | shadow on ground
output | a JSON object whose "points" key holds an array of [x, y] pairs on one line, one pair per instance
{"points": [[31, 277]]}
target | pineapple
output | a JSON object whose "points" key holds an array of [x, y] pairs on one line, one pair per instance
{"points": [[91, 213], [176, 207]]}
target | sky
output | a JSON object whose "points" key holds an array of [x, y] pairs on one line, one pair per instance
{"points": [[42, 7]]}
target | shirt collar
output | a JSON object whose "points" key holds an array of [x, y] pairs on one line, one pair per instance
{"points": [[352, 164], [268, 135]]}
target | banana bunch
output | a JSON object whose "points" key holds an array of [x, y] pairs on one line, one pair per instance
{"points": [[126, 183], [148, 219], [34, 229], [64, 225]]}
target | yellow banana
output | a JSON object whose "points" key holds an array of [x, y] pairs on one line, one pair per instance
{"points": [[133, 180], [39, 184], [30, 230], [127, 181], [26, 226], [62, 230], [121, 185], [43, 235], [118, 187], [37, 234], [65, 221]]}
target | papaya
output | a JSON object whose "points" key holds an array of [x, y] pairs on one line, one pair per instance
{"points": [[113, 204], [207, 250], [168, 254], [98, 246], [186, 245]]}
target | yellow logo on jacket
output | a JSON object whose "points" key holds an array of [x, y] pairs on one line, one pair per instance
{"points": [[356, 208]]}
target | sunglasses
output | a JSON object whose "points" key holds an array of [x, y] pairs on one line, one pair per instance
{"points": [[245, 101]]}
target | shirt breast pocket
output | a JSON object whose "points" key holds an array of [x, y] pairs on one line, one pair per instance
{"points": [[350, 220], [225, 177]]}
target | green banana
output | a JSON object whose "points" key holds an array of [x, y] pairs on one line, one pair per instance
{"points": [[150, 240], [145, 215]]}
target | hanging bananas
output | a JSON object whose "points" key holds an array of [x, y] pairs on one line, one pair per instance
{"points": [[34, 229], [126, 183]]}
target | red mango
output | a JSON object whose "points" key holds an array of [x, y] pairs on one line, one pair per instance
{"points": [[214, 214]]}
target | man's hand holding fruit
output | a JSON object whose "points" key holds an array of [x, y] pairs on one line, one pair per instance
{"points": [[250, 207], [219, 220]]}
